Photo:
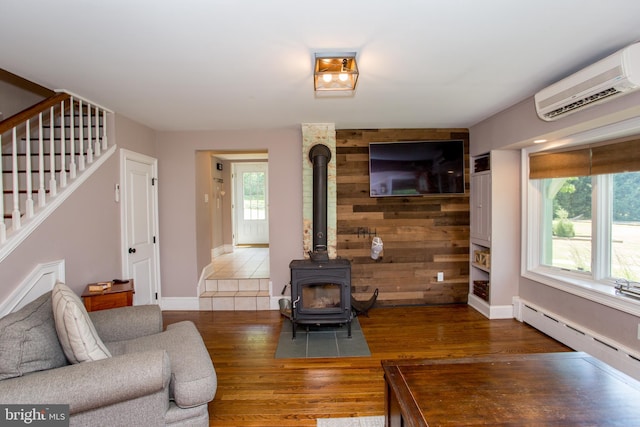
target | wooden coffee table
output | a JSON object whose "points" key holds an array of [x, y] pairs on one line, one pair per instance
{"points": [[551, 389]]}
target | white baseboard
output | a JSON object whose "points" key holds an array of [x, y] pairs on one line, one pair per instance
{"points": [[580, 338], [180, 303], [221, 250], [490, 311]]}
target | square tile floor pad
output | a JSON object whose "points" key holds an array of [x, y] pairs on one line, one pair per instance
{"points": [[321, 341]]}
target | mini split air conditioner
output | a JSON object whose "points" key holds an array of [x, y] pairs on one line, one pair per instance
{"points": [[613, 76]]}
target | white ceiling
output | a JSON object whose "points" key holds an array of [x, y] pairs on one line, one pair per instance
{"points": [[247, 64]]}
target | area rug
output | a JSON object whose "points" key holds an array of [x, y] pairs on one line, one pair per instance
{"points": [[351, 422], [321, 341]]}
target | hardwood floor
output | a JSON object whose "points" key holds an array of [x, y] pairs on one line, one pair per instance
{"points": [[255, 389]]}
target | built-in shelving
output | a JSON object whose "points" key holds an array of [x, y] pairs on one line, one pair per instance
{"points": [[495, 227]]}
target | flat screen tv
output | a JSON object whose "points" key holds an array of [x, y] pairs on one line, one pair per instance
{"points": [[416, 168]]}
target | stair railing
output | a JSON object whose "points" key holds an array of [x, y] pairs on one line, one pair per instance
{"points": [[58, 138]]}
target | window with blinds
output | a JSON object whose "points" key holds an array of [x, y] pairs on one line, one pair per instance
{"points": [[587, 215]]}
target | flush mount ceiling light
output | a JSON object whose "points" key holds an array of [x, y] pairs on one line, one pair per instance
{"points": [[335, 72]]}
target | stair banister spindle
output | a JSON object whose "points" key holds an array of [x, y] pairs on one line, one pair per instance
{"points": [[41, 190], [3, 225], [81, 165], [15, 214], [105, 145], [72, 141], [98, 150], [63, 154], [53, 184], [28, 204], [89, 137]]}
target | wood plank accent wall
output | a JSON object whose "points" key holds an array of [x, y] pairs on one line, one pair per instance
{"points": [[421, 235]]}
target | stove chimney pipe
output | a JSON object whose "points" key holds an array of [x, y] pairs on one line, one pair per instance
{"points": [[319, 155]]}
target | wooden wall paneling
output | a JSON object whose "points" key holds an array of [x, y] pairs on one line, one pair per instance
{"points": [[422, 235]]}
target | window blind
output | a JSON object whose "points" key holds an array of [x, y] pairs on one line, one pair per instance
{"points": [[594, 159]]}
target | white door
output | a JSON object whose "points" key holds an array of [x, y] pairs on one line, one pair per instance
{"points": [[139, 236], [251, 205]]}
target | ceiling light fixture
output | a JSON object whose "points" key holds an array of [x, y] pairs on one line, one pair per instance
{"points": [[335, 72]]}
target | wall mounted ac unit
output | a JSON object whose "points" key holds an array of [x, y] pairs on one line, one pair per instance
{"points": [[613, 76]]}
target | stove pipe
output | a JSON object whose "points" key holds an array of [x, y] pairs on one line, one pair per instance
{"points": [[319, 155]]}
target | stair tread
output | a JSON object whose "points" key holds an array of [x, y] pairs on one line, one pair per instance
{"points": [[45, 154], [34, 191], [35, 171]]}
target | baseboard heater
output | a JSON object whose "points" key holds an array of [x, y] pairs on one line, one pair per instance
{"points": [[581, 339]]}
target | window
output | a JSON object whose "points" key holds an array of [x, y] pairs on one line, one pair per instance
{"points": [[254, 195], [625, 233], [567, 223], [583, 215]]}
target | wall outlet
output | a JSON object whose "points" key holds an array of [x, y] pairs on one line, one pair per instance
{"points": [[441, 278]]}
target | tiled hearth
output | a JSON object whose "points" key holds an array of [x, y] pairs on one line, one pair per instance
{"points": [[240, 281]]}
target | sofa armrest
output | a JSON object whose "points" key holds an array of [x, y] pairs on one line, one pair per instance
{"points": [[92, 385], [125, 323]]}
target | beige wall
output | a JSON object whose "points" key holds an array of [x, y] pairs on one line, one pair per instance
{"points": [[517, 127], [203, 220], [182, 259], [218, 203], [17, 94], [134, 136]]}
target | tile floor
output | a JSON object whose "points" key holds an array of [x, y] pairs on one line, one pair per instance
{"points": [[240, 281], [242, 263]]}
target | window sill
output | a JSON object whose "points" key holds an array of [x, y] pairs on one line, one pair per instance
{"points": [[592, 291]]}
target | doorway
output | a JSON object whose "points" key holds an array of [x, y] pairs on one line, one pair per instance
{"points": [[251, 203]]}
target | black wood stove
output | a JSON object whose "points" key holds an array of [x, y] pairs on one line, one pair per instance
{"points": [[320, 287], [321, 292]]}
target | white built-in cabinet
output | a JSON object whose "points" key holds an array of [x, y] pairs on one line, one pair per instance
{"points": [[481, 207], [495, 232]]}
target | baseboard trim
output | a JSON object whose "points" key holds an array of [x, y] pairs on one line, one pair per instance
{"points": [[490, 311], [180, 303], [580, 338], [220, 250]]}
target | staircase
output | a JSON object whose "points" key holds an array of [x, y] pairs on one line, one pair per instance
{"points": [[47, 151]]}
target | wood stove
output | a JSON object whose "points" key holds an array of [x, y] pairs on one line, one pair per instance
{"points": [[320, 287], [321, 293]]}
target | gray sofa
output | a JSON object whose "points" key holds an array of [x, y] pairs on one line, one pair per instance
{"points": [[151, 377]]}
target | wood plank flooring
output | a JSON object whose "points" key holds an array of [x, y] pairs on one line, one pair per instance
{"points": [[255, 389]]}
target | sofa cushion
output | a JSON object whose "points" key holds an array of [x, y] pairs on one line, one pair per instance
{"points": [[28, 340], [193, 378], [79, 339]]}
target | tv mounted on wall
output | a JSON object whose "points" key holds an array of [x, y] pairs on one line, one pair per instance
{"points": [[416, 168]]}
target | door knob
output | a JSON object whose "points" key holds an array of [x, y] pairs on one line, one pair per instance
{"points": [[132, 250]]}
